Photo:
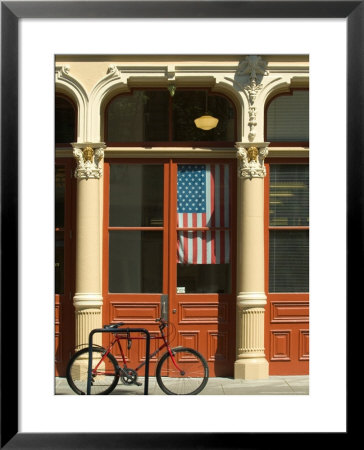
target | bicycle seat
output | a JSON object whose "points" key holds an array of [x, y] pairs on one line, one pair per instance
{"points": [[113, 325]]}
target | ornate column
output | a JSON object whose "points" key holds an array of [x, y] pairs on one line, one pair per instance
{"points": [[88, 297], [251, 299]]}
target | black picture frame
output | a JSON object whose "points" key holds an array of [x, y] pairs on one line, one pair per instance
{"points": [[11, 13]]}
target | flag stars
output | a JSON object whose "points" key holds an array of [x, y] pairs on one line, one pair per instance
{"points": [[191, 188]]}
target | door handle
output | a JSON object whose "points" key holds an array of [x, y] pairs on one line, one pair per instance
{"points": [[164, 306]]}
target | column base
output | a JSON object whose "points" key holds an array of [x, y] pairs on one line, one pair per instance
{"points": [[251, 369], [88, 316]]}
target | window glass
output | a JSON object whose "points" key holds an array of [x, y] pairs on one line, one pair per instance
{"points": [[135, 261], [288, 261], [136, 195], [59, 225], [189, 105], [289, 195], [59, 263], [138, 117], [203, 278], [59, 196], [65, 121], [288, 118]]}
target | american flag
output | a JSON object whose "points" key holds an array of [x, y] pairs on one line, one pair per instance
{"points": [[203, 201]]}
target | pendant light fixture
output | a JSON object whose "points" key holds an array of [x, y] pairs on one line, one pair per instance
{"points": [[206, 122]]}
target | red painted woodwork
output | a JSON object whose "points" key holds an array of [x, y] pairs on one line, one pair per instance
{"points": [[64, 310], [205, 322], [286, 314]]}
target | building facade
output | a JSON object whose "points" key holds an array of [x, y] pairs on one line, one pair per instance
{"points": [[151, 205]]}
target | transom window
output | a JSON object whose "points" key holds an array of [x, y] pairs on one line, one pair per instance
{"points": [[287, 119], [65, 121], [154, 117]]}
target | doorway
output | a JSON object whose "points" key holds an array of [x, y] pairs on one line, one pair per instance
{"points": [[170, 229]]}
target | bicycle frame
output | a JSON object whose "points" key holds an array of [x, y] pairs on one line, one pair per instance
{"points": [[91, 372], [125, 336]]}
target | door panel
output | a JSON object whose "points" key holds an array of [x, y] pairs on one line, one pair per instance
{"points": [[142, 241], [287, 334], [205, 322]]}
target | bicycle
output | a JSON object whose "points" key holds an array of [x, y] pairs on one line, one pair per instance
{"points": [[180, 370]]}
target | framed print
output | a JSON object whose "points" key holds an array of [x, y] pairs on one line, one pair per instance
{"points": [[32, 34]]}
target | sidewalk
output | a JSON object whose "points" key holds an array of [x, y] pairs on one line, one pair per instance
{"points": [[277, 385]]}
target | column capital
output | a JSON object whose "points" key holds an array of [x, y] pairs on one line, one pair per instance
{"points": [[88, 156], [251, 159]]}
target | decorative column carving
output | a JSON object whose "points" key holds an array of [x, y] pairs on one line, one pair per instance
{"points": [[251, 299], [88, 158], [255, 67], [251, 159], [88, 297]]}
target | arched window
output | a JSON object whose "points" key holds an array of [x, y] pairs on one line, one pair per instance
{"points": [[65, 121], [287, 119], [154, 117]]}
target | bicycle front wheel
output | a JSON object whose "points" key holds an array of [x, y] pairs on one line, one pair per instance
{"points": [[104, 378], [186, 374]]}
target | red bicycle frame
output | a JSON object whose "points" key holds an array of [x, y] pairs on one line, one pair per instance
{"points": [[126, 336]]}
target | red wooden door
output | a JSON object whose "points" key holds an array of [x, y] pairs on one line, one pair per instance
{"points": [[142, 243], [202, 260], [64, 264]]}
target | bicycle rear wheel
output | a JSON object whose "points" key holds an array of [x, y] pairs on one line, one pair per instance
{"points": [[104, 379], [188, 378]]}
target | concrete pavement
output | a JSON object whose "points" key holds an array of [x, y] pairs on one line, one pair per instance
{"points": [[277, 385]]}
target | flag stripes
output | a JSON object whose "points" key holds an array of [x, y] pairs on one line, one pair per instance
{"points": [[203, 201]]}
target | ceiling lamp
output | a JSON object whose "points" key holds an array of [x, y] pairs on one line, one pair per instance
{"points": [[206, 122]]}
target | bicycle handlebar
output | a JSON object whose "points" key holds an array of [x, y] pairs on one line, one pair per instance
{"points": [[114, 325], [163, 323], [120, 324], [159, 319]]}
